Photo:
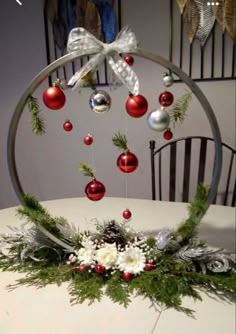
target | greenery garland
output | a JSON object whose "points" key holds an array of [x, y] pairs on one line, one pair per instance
{"points": [[170, 264]]}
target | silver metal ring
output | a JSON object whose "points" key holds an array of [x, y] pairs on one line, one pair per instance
{"points": [[141, 53]]}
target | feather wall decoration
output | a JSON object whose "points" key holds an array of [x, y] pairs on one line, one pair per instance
{"points": [[229, 18], [218, 13], [206, 21], [191, 19], [50, 8], [93, 20], [181, 4], [81, 6]]}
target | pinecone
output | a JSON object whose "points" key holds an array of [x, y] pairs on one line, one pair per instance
{"points": [[113, 233]]}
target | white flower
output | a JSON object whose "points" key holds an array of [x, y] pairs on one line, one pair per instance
{"points": [[107, 255], [132, 260], [87, 253]]}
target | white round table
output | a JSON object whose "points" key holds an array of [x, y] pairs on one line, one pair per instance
{"points": [[27, 310]]}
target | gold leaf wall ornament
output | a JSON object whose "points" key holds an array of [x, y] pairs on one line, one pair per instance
{"points": [[218, 13], [206, 21], [191, 19], [92, 21], [181, 4], [229, 17]]}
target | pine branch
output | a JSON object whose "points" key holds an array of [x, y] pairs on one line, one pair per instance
{"points": [[37, 121], [120, 141], [117, 291], [197, 209], [89, 78], [178, 113], [86, 170]]}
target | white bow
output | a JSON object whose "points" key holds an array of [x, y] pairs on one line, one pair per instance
{"points": [[84, 43]]}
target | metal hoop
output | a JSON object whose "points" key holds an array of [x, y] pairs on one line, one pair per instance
{"points": [[141, 53]]}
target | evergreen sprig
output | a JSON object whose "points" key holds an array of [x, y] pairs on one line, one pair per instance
{"points": [[37, 121], [188, 229], [120, 141], [86, 170], [89, 78], [178, 112]]}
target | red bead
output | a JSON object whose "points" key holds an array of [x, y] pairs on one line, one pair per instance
{"points": [[168, 134], [129, 60], [88, 140], [95, 190], [149, 266], [127, 276], [166, 99], [81, 268], [127, 214], [136, 106], [99, 269], [54, 98], [67, 126], [127, 162]]}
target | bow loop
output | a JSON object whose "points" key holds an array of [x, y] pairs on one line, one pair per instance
{"points": [[84, 43]]}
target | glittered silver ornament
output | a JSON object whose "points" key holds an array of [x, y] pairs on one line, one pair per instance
{"points": [[162, 239], [168, 80], [100, 101], [159, 119]]}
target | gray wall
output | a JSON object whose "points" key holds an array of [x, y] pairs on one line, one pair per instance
{"points": [[48, 165]]}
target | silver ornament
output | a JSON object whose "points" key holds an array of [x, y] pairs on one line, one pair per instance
{"points": [[163, 239], [168, 80], [100, 101], [159, 119]]}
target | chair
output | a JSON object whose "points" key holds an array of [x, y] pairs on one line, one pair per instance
{"points": [[198, 162]]}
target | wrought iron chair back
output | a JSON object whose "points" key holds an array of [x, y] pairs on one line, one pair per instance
{"points": [[228, 194]]}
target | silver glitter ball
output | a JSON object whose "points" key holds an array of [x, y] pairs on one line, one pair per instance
{"points": [[168, 80], [159, 119], [163, 239], [100, 101]]}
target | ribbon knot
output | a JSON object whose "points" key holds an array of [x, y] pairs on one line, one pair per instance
{"points": [[84, 43]]}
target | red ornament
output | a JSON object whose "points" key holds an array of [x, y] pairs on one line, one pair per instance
{"points": [[68, 126], [136, 106], [127, 162], [166, 99], [129, 60], [127, 276], [127, 214], [81, 268], [95, 190], [149, 266], [54, 98], [168, 134], [88, 140], [99, 269]]}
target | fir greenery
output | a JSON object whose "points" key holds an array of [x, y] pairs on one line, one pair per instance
{"points": [[165, 285], [178, 112], [120, 141], [37, 121], [86, 170]]}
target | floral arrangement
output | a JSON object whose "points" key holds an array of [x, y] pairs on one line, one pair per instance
{"points": [[116, 261]]}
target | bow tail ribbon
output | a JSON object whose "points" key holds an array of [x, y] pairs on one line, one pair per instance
{"points": [[123, 71]]}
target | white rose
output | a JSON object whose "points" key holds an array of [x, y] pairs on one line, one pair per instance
{"points": [[107, 255]]}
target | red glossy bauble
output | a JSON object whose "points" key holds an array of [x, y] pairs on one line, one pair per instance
{"points": [[166, 99], [88, 140], [54, 98], [127, 162], [127, 276], [95, 190], [127, 214], [149, 266], [129, 60], [81, 268], [168, 134], [67, 126], [136, 106], [99, 269]]}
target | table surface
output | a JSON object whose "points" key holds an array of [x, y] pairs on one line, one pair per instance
{"points": [[28, 310]]}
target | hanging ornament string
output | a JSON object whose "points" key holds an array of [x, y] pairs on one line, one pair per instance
{"points": [[82, 42]]}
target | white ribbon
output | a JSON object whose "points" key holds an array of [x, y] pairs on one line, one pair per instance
{"points": [[84, 43]]}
